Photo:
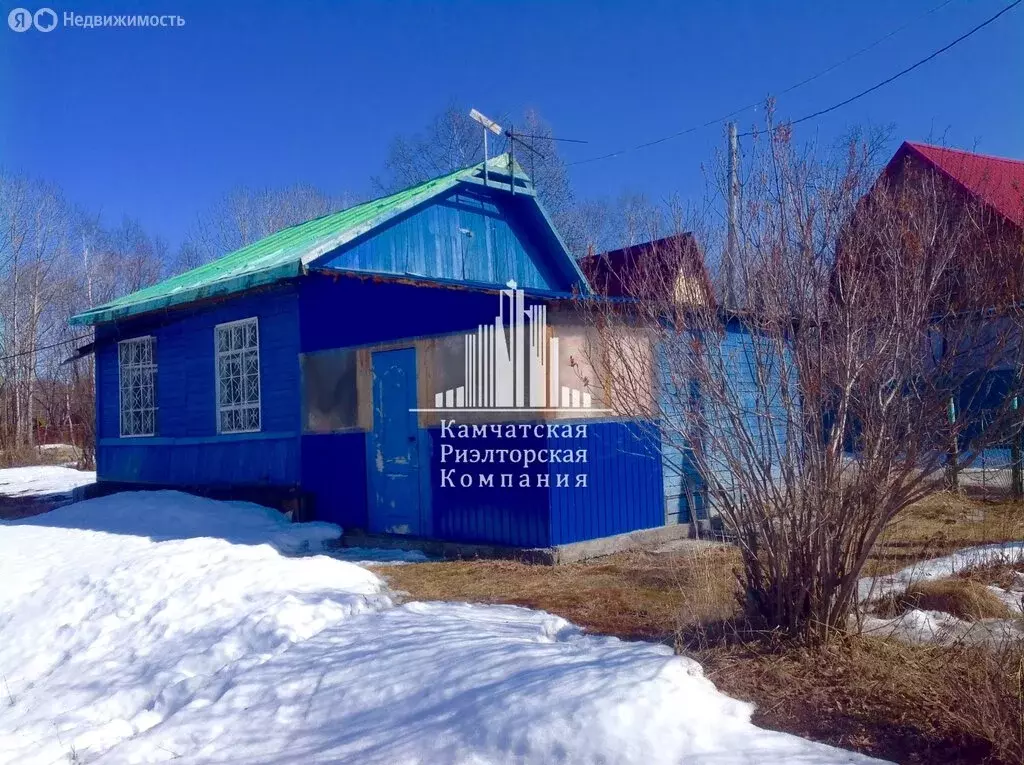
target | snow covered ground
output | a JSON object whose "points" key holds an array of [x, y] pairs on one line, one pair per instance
{"points": [[43, 480], [941, 568], [367, 556], [919, 626], [149, 627]]}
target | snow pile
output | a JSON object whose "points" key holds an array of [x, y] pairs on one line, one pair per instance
{"points": [[1012, 598], [120, 613], [42, 480], [941, 568], [149, 627], [919, 626]]}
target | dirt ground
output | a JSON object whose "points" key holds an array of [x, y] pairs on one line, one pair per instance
{"points": [[913, 704]]}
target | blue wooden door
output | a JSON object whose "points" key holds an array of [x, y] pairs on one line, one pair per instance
{"points": [[393, 459]]}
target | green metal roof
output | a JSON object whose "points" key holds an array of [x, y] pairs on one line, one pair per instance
{"points": [[285, 254]]}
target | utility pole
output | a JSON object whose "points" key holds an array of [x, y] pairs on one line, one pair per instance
{"points": [[731, 247]]}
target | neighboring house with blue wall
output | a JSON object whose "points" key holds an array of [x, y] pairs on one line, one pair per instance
{"points": [[393, 364], [701, 440]]}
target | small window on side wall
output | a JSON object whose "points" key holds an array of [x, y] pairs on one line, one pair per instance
{"points": [[136, 369], [238, 376], [330, 391]]}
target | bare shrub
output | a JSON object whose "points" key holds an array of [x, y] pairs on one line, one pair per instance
{"points": [[868, 358]]}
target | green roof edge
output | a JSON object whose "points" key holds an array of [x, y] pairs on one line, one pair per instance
{"points": [[183, 288]]}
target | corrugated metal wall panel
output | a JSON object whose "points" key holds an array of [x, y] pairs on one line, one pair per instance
{"points": [[516, 516], [269, 461], [186, 391], [624, 490]]}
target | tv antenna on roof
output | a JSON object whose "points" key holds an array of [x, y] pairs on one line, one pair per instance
{"points": [[513, 138], [489, 126]]}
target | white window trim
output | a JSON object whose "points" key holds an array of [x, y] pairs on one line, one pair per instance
{"points": [[217, 353], [120, 390]]}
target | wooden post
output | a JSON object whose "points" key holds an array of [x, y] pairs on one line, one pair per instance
{"points": [[953, 459], [1016, 472], [733, 204]]}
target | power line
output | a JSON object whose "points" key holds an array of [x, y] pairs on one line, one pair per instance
{"points": [[566, 140], [899, 74], [43, 348], [791, 88], [863, 50]]}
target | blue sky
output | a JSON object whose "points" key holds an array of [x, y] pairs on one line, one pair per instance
{"points": [[158, 123]]}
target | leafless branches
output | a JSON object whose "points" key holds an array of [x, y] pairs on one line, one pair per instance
{"points": [[874, 352]]}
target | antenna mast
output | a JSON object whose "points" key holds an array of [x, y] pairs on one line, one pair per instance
{"points": [[488, 125]]}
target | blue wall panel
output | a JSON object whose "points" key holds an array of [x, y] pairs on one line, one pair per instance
{"points": [[467, 236], [684, 487], [334, 471], [624, 490], [269, 460], [517, 516], [338, 311], [754, 384], [187, 448]]}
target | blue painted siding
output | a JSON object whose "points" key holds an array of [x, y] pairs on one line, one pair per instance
{"points": [[186, 448], [338, 311], [764, 423], [271, 459], [334, 472], [624, 490], [683, 485], [468, 236], [517, 515]]}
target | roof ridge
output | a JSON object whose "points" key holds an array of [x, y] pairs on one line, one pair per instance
{"points": [[920, 145], [286, 252]]}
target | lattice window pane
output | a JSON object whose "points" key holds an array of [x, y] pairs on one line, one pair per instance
{"points": [[238, 376], [137, 373]]}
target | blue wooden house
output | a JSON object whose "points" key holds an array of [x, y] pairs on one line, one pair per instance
{"points": [[408, 366]]}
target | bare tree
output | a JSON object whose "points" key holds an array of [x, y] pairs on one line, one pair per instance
{"points": [[246, 215], [452, 141], [876, 347], [54, 262], [34, 276]]}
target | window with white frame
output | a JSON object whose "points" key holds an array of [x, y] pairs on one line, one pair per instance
{"points": [[238, 376], [136, 367]]}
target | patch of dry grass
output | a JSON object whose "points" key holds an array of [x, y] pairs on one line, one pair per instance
{"points": [[908, 703], [29, 455], [635, 595], [941, 524], [962, 597], [1001, 574]]}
